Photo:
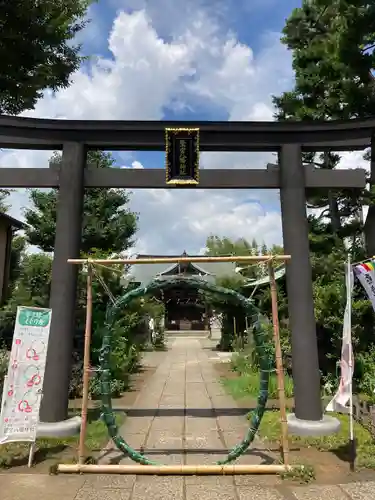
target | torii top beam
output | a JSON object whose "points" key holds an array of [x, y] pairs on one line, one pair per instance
{"points": [[36, 133]]}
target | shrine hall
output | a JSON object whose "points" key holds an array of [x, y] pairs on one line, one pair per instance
{"points": [[184, 309]]}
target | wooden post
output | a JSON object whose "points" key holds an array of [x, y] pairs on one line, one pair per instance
{"points": [[279, 364], [86, 367]]}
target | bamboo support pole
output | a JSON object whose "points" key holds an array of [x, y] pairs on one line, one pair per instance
{"points": [[180, 470], [172, 260], [86, 368], [279, 364]]}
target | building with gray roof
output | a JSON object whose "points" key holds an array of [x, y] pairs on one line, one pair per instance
{"points": [[184, 308]]}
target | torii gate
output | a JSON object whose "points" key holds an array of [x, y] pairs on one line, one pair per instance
{"points": [[288, 139]]}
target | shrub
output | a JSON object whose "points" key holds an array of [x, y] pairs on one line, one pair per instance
{"points": [[125, 357], [75, 387], [365, 373], [158, 341], [247, 385], [117, 387]]}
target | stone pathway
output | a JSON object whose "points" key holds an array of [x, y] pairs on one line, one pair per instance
{"points": [[182, 415]]}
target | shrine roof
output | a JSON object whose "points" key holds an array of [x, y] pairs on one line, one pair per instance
{"points": [[279, 273], [11, 221], [143, 273]]}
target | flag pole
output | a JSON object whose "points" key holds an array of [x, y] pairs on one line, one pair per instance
{"points": [[352, 444]]}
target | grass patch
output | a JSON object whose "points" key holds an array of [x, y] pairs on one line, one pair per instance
{"points": [[16, 454], [270, 430], [247, 385], [302, 473]]}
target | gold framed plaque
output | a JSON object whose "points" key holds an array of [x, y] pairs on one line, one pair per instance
{"points": [[182, 155]]}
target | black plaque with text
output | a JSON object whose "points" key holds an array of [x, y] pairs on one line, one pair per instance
{"points": [[182, 155]]}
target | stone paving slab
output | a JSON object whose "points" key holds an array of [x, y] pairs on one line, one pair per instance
{"points": [[317, 492], [116, 487], [181, 416], [39, 487]]}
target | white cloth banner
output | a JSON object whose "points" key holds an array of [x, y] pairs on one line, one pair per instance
{"points": [[343, 394], [366, 275], [20, 412]]}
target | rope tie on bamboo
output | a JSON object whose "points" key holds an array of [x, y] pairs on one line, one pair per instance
{"points": [[104, 284]]}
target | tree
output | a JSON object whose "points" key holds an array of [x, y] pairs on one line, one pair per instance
{"points": [[30, 288], [16, 258], [232, 316], [333, 58], [108, 224], [37, 49], [4, 193], [217, 246], [332, 42], [224, 246], [108, 229]]}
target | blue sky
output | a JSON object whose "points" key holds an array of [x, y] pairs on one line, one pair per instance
{"points": [[251, 21], [175, 59]]}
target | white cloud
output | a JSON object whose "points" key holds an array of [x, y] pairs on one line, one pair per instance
{"points": [[177, 222], [240, 82], [22, 159], [145, 74], [353, 159], [135, 83], [349, 160], [135, 164]]}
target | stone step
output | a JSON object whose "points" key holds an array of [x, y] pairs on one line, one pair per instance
{"points": [[187, 333]]}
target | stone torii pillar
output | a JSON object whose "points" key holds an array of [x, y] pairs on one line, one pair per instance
{"points": [[54, 407], [72, 178], [308, 418]]}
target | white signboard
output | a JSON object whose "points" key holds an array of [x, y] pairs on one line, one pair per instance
{"points": [[23, 392]]}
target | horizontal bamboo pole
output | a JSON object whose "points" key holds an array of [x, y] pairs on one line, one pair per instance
{"points": [[177, 260], [181, 470]]}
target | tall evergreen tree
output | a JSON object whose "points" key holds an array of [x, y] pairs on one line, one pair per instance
{"points": [[4, 193], [332, 42], [37, 49], [108, 224]]}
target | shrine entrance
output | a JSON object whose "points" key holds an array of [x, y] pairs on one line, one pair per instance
{"points": [[182, 142], [267, 356], [187, 284]]}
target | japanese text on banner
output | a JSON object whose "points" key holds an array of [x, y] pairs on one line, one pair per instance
{"points": [[24, 383]]}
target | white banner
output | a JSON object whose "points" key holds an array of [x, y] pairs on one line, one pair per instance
{"points": [[366, 275], [343, 394], [20, 413]]}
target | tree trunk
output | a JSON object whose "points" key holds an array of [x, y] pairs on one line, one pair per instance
{"points": [[369, 231], [334, 212], [369, 228], [332, 200]]}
